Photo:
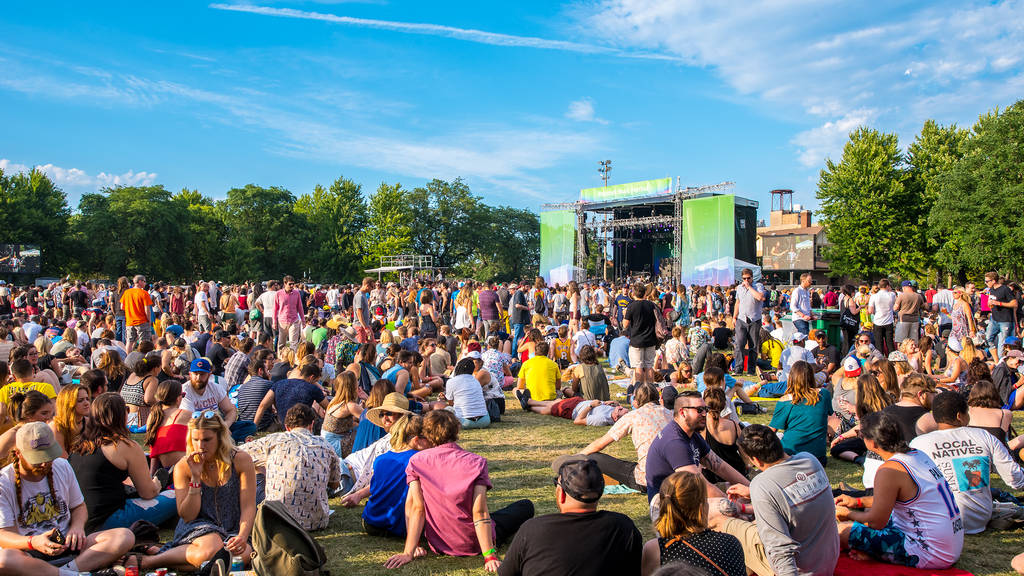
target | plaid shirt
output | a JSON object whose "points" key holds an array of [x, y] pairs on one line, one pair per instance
{"points": [[299, 467], [236, 369]]}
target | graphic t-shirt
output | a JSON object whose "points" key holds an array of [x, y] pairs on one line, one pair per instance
{"points": [[41, 512], [22, 387], [966, 456], [209, 399]]}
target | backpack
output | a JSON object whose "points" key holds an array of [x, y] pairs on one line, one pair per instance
{"points": [[282, 547], [20, 301]]}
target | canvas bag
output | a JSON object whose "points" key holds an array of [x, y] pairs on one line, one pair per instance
{"points": [[283, 548]]}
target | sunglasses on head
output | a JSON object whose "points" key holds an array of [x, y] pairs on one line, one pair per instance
{"points": [[203, 414]]}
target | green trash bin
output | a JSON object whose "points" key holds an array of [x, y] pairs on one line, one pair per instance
{"points": [[828, 320]]}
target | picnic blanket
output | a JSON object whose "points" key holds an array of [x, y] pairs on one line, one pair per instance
{"points": [[849, 567]]}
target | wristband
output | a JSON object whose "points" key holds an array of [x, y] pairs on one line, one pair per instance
{"points": [[491, 557], [195, 485], [859, 503], [30, 544], [489, 553]]}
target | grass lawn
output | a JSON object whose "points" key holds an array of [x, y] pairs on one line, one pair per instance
{"points": [[519, 450]]}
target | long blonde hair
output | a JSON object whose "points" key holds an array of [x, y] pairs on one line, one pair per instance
{"points": [[65, 421], [344, 389], [225, 445]]}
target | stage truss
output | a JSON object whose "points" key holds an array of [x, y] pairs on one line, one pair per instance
{"points": [[605, 227]]}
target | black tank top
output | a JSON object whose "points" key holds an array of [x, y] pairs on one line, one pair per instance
{"points": [[728, 452], [907, 416], [102, 486], [996, 431]]}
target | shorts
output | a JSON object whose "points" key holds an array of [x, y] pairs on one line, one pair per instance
{"points": [[754, 555], [641, 358], [564, 408], [139, 331], [888, 544], [364, 335]]}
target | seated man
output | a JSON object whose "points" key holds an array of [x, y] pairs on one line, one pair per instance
{"points": [[680, 446], [642, 425], [966, 457], [796, 353], [539, 375], [42, 514], [301, 469], [581, 411], [790, 497], [23, 373], [604, 542], [912, 518], [286, 393]]}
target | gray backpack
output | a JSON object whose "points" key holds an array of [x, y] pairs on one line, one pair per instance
{"points": [[282, 547]]}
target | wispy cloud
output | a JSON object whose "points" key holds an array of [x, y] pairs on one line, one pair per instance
{"points": [[466, 34], [79, 180], [836, 63], [583, 110]]}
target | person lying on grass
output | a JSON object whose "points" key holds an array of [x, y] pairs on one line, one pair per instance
{"points": [[447, 500], [582, 412]]}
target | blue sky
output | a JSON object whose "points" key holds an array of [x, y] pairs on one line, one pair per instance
{"points": [[520, 98]]}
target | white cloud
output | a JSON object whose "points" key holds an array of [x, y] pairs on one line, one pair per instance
{"points": [[827, 140], [835, 61], [583, 111], [79, 180]]}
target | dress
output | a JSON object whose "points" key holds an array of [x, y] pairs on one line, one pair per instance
{"points": [[340, 433], [722, 549], [220, 511]]}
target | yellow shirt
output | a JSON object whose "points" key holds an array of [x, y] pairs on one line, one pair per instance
{"points": [[772, 349], [540, 374], [21, 387]]}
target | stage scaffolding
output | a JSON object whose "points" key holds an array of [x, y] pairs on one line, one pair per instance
{"points": [[405, 265], [606, 226]]}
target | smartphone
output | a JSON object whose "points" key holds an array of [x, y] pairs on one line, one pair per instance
{"points": [[58, 537]]}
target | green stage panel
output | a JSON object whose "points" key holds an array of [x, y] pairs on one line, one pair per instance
{"points": [[557, 245], [629, 190], [709, 241]]}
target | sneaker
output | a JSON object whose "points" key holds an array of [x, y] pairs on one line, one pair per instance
{"points": [[115, 571], [524, 398], [217, 566]]}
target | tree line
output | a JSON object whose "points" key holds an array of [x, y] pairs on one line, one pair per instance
{"points": [[330, 234], [951, 205]]}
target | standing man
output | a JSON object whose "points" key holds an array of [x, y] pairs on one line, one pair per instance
{"points": [[880, 306], [519, 314], [202, 302], [1002, 303], [265, 304], [361, 317], [287, 314], [490, 308], [638, 323], [747, 312], [800, 304], [137, 306], [908, 312]]}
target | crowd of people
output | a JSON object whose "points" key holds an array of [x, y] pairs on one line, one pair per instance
{"points": [[137, 405]]}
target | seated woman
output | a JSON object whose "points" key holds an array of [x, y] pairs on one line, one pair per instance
{"points": [[684, 534], [167, 427], [870, 397], [139, 384], [73, 403], [588, 378], [721, 434], [215, 492], [103, 459], [342, 415], [803, 413], [985, 407], [40, 480], [912, 518], [384, 513], [466, 396], [365, 367], [447, 500], [32, 406], [357, 469], [369, 431]]}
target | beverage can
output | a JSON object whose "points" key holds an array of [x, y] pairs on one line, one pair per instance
{"points": [[236, 564]]}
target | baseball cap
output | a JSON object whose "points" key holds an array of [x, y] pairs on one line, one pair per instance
{"points": [[175, 329], [906, 283], [36, 443], [897, 356], [473, 346], [851, 367], [580, 477], [1013, 354], [201, 365], [475, 355], [799, 337]]}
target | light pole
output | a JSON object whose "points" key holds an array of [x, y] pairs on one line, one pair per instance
{"points": [[606, 167]]}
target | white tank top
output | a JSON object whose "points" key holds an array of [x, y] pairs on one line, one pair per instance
{"points": [[931, 521]]}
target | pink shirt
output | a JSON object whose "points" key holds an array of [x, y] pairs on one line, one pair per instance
{"points": [[287, 306], [447, 475]]}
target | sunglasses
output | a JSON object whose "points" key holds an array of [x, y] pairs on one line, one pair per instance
{"points": [[702, 410], [203, 414], [863, 341], [394, 414]]}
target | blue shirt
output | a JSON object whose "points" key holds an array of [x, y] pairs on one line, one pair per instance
{"points": [[391, 375], [806, 426], [699, 379], [292, 391], [619, 348], [672, 449], [366, 433], [388, 489]]}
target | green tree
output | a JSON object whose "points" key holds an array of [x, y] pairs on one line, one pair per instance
{"points": [[35, 211], [979, 198], [204, 237], [265, 236], [868, 210], [507, 245], [443, 224], [336, 217], [389, 224], [935, 150]]}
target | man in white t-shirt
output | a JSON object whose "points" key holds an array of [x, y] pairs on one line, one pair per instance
{"points": [[265, 304], [202, 303], [584, 337], [202, 395], [966, 456], [880, 307], [334, 299], [48, 500], [942, 302]]}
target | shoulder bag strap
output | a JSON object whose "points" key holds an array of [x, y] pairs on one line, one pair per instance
{"points": [[710, 561]]}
